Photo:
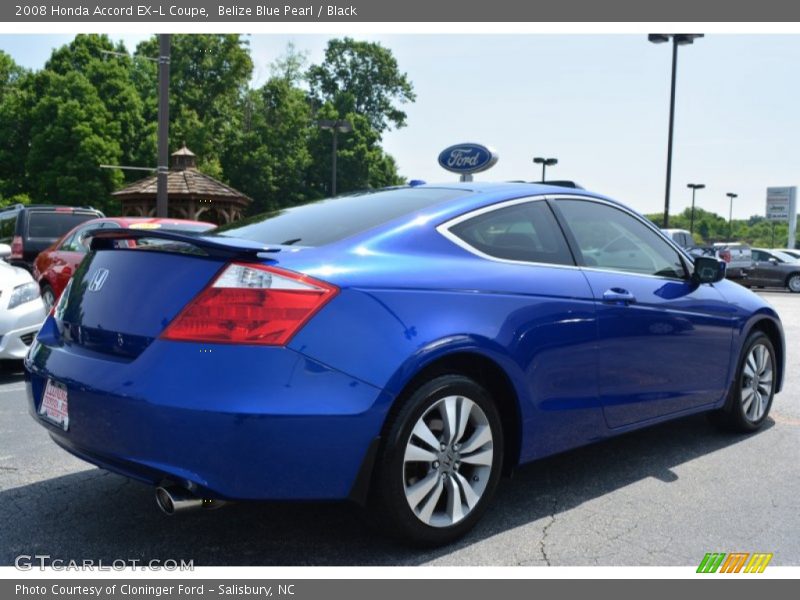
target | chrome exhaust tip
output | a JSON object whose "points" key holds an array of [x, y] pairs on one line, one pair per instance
{"points": [[172, 499]]}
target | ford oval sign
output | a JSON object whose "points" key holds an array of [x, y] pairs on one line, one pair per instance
{"points": [[467, 158]]}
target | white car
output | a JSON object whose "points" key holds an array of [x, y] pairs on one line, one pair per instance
{"points": [[22, 311]]}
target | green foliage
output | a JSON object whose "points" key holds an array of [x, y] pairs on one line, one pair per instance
{"points": [[710, 228], [269, 159], [364, 78], [15, 199], [72, 134], [15, 100], [94, 104]]}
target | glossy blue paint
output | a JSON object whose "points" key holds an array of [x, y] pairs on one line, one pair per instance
{"points": [[296, 422]]}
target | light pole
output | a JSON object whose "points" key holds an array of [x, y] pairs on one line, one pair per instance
{"points": [[731, 195], [678, 39], [695, 187], [336, 126], [545, 162], [162, 202]]}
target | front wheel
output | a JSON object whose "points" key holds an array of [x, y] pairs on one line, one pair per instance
{"points": [[750, 397], [441, 462], [793, 283]]}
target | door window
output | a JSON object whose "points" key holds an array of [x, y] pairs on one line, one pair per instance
{"points": [[610, 238], [525, 232]]}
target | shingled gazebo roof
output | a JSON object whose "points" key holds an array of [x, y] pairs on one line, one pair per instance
{"points": [[191, 193]]}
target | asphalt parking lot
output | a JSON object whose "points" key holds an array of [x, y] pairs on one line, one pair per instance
{"points": [[662, 496]]}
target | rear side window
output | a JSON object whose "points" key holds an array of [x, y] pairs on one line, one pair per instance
{"points": [[335, 219], [52, 225], [523, 232], [8, 223]]}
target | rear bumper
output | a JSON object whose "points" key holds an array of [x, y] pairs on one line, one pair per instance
{"points": [[233, 422]]}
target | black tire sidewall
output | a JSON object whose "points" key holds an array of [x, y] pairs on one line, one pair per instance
{"points": [[392, 504]]}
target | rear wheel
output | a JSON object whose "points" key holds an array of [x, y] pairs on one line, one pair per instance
{"points": [[793, 283], [440, 464], [750, 397], [48, 296]]}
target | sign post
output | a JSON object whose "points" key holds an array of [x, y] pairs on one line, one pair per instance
{"points": [[466, 159], [782, 208]]}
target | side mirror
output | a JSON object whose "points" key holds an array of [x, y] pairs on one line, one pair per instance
{"points": [[708, 270], [773, 260], [5, 251]]}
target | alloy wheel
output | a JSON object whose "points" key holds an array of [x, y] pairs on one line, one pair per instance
{"points": [[448, 461], [756, 384], [794, 283]]}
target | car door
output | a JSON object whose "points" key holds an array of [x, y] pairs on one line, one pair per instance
{"points": [[766, 271], [663, 341], [551, 332]]}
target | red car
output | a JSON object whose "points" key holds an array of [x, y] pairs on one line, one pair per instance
{"points": [[55, 265]]}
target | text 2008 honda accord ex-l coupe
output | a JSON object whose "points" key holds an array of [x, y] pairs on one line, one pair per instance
{"points": [[402, 348]]}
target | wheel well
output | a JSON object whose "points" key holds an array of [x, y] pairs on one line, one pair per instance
{"points": [[771, 330], [790, 275], [491, 376]]}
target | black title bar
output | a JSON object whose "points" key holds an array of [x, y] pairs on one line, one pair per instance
{"points": [[210, 11]]}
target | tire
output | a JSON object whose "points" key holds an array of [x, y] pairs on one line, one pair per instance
{"points": [[430, 496], [48, 296], [749, 399], [793, 283]]}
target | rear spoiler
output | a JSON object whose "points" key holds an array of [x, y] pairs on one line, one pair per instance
{"points": [[214, 246]]}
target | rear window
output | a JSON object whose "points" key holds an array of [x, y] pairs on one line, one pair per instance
{"points": [[53, 225], [334, 219]]}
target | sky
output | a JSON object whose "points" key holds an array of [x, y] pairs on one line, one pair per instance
{"points": [[598, 103]]}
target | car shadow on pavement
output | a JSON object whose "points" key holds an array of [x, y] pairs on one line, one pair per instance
{"points": [[97, 515]]}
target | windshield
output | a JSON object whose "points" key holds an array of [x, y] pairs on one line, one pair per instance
{"points": [[333, 219]]}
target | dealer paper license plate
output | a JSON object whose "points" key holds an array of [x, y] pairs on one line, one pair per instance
{"points": [[55, 405]]}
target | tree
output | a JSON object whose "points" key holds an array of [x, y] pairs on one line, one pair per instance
{"points": [[363, 78], [361, 162], [269, 161], [290, 66], [14, 125], [71, 135], [110, 75], [209, 76]]}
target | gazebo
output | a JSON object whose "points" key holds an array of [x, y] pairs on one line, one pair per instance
{"points": [[192, 194]]}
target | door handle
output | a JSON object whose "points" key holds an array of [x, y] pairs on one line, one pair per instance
{"points": [[618, 296]]}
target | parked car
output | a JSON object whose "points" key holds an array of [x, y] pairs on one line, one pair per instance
{"points": [[773, 268], [683, 238], [790, 252], [55, 265], [399, 348], [21, 311], [740, 258], [30, 229]]}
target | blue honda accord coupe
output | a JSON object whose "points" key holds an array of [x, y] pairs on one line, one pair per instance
{"points": [[402, 348]]}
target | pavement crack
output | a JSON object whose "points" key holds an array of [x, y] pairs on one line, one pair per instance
{"points": [[545, 531]]}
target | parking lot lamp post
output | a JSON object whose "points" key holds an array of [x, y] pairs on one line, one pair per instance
{"points": [[545, 162], [695, 187], [731, 195], [336, 126], [678, 39]]}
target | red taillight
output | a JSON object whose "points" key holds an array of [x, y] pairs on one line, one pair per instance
{"points": [[16, 247], [251, 304]]}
